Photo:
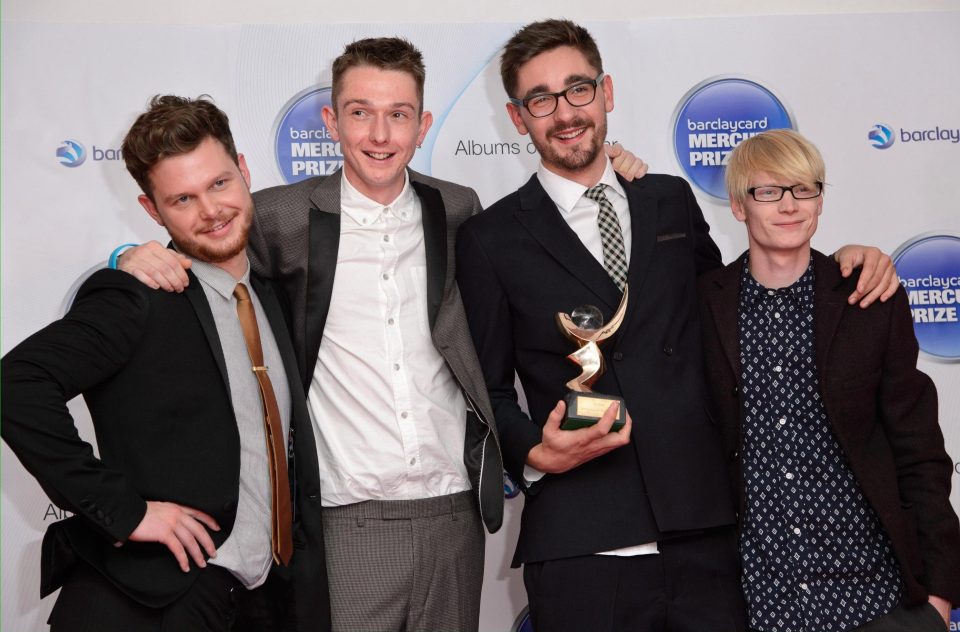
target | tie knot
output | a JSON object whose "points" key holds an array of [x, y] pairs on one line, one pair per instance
{"points": [[241, 292], [596, 193]]}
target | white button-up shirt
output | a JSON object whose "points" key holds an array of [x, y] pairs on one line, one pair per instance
{"points": [[388, 413]]}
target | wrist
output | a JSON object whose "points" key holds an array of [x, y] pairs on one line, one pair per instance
{"points": [[115, 255]]}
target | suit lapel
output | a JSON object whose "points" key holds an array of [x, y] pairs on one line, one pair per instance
{"points": [[435, 242], [830, 292], [324, 244], [643, 239], [194, 292], [541, 217], [722, 301]]}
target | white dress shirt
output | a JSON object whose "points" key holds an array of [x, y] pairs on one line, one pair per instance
{"points": [[388, 414], [580, 213]]}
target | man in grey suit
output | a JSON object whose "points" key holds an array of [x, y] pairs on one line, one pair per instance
{"points": [[410, 459]]}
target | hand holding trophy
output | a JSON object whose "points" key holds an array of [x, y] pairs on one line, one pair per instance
{"points": [[584, 326]]}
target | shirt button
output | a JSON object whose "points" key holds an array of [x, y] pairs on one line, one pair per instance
{"points": [[413, 461], [386, 277], [803, 586], [390, 321], [386, 237], [396, 367], [789, 476], [782, 421], [404, 415], [770, 292], [796, 530], [777, 315], [776, 369], [668, 350]]}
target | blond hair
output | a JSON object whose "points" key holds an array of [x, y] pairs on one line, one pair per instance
{"points": [[779, 152]]}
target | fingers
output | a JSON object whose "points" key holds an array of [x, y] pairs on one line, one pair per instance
{"points": [[614, 150], [179, 553], [555, 417], [625, 163], [603, 426], [156, 266], [193, 521], [877, 279]]}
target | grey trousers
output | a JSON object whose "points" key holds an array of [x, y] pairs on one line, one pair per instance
{"points": [[405, 565]]}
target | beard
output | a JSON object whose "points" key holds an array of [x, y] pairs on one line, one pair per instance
{"points": [[220, 252], [580, 155]]}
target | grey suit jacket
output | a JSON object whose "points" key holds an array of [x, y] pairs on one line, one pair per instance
{"points": [[294, 240]]}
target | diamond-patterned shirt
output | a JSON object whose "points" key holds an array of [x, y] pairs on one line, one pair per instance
{"points": [[815, 557]]}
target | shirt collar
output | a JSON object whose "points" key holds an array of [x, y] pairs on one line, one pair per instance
{"points": [[362, 209], [566, 193], [800, 291], [218, 279]]}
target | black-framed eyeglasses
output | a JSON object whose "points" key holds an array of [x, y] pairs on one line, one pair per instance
{"points": [[545, 103], [775, 193]]}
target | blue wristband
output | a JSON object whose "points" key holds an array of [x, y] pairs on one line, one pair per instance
{"points": [[115, 255]]}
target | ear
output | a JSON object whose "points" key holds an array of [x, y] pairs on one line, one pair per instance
{"points": [[737, 209], [244, 171], [426, 120], [150, 208], [330, 120], [514, 113], [607, 85]]}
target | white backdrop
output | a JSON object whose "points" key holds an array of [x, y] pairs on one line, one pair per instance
{"points": [[839, 76]]}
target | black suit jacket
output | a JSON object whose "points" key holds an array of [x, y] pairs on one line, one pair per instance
{"points": [[519, 263], [882, 409], [151, 369]]}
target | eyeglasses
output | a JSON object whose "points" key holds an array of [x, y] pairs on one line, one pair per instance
{"points": [[775, 193], [545, 103]]}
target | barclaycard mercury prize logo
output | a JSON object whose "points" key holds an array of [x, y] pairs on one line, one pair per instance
{"points": [[881, 136], [302, 142], [715, 116], [71, 153], [929, 269]]}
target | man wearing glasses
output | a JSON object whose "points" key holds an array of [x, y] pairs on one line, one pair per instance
{"points": [[625, 530], [843, 484]]}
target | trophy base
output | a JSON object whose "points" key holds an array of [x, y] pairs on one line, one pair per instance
{"points": [[586, 409]]}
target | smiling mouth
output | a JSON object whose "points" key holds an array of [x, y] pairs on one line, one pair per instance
{"points": [[378, 155], [570, 134], [218, 226]]}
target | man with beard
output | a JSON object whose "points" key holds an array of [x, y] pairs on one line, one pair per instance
{"points": [[190, 498], [612, 537]]}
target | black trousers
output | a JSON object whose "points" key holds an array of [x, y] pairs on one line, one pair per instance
{"points": [[88, 602], [691, 585]]}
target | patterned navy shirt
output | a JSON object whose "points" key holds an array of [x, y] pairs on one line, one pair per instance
{"points": [[815, 558]]}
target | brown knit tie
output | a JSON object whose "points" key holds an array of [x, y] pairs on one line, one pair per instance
{"points": [[281, 515]]}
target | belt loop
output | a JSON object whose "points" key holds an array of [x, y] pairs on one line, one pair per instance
{"points": [[453, 507], [360, 521]]}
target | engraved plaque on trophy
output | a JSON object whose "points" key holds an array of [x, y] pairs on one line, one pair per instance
{"points": [[584, 326]]}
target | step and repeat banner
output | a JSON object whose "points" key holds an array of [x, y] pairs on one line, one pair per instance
{"points": [[879, 94]]}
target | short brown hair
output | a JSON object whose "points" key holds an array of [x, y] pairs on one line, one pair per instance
{"points": [[783, 153], [385, 53], [540, 37], [173, 126]]}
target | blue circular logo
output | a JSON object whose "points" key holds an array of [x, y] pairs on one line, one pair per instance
{"points": [[881, 136], [71, 153], [713, 118], [522, 623], [510, 489], [929, 270], [303, 145]]}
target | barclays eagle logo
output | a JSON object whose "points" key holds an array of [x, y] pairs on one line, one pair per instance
{"points": [[71, 153], [881, 136]]}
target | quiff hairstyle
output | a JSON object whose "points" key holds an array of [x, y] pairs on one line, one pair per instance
{"points": [[780, 152], [173, 126], [541, 37], [385, 53]]}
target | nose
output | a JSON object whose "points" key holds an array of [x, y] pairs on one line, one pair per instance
{"points": [[788, 203], [379, 130], [209, 208]]}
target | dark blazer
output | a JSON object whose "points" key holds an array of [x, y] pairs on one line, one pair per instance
{"points": [[882, 409], [151, 369], [294, 240], [519, 263]]}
